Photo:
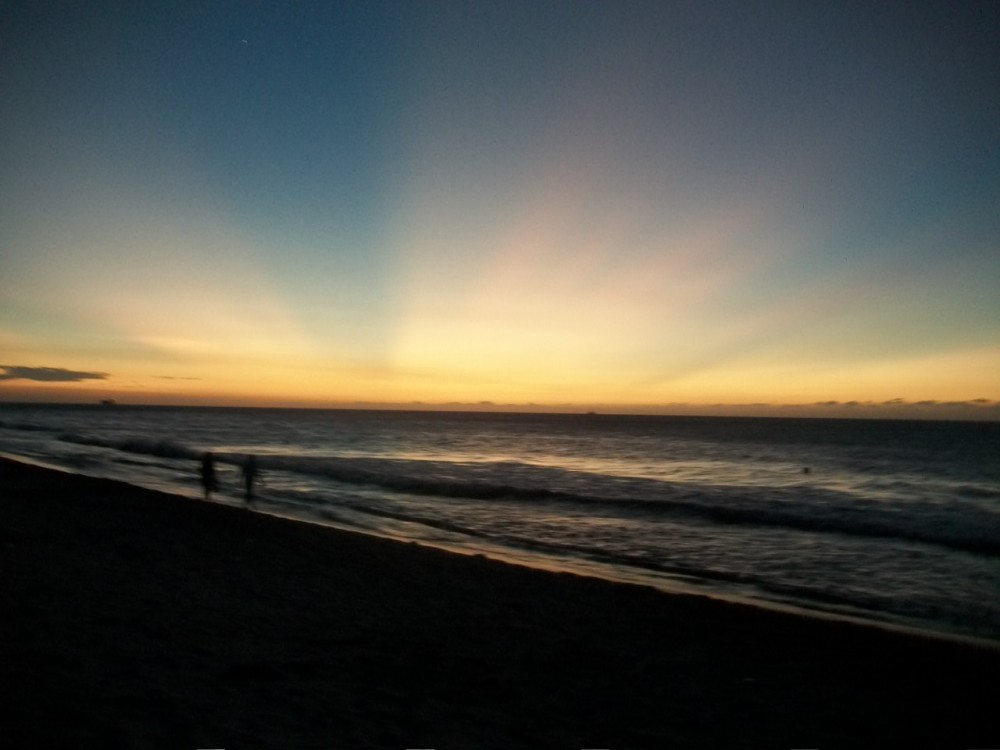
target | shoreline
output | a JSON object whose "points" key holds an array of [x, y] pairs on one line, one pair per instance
{"points": [[138, 618], [668, 587], [664, 582]]}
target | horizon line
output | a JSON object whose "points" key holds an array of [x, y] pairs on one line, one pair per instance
{"points": [[983, 410]]}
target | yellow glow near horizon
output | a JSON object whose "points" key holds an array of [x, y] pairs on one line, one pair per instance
{"points": [[556, 301], [955, 376]]}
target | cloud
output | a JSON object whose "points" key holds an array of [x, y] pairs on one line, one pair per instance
{"points": [[48, 374]]}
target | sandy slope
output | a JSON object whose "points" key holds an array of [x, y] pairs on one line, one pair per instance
{"points": [[137, 619]]}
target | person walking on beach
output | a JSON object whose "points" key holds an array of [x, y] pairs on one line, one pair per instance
{"points": [[250, 473], [208, 479]]}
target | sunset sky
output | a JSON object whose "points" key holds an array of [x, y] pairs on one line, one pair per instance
{"points": [[661, 206]]}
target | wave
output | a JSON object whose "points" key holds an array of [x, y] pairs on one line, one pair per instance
{"points": [[145, 446], [976, 491], [968, 528], [818, 511], [27, 427]]}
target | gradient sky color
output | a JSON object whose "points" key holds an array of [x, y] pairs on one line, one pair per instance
{"points": [[661, 206]]}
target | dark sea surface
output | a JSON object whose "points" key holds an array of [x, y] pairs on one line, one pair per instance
{"points": [[888, 521]]}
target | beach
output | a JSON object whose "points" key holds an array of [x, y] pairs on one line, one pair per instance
{"points": [[133, 618]]}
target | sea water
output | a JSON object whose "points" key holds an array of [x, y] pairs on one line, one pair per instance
{"points": [[887, 521]]}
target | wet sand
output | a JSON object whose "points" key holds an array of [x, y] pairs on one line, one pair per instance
{"points": [[137, 619]]}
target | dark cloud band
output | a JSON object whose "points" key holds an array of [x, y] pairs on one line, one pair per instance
{"points": [[48, 374]]}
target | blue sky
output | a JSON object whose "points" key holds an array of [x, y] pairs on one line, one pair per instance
{"points": [[625, 205]]}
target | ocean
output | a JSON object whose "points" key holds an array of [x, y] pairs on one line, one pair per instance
{"points": [[893, 522]]}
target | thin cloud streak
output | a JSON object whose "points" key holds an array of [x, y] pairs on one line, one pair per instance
{"points": [[48, 374]]}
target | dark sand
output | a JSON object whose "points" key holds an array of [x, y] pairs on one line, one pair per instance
{"points": [[136, 619]]}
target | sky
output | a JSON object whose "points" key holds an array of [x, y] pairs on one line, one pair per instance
{"points": [[676, 207]]}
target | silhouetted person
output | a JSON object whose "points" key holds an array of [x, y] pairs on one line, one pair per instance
{"points": [[250, 474], [208, 479]]}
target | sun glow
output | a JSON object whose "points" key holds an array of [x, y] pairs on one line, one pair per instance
{"points": [[633, 227]]}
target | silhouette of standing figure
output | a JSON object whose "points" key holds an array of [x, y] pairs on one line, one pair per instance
{"points": [[250, 473], [208, 480]]}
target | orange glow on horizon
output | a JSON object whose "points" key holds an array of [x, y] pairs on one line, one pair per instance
{"points": [[936, 393]]}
